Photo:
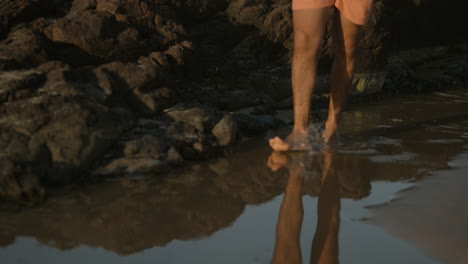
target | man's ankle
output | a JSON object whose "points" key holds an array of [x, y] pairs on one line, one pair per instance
{"points": [[299, 130]]}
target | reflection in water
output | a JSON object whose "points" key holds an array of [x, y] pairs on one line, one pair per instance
{"points": [[203, 212], [325, 242]]}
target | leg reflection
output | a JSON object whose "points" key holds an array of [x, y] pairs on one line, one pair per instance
{"points": [[288, 229], [325, 242]]}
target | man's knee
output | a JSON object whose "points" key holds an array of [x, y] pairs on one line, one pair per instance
{"points": [[306, 44]]}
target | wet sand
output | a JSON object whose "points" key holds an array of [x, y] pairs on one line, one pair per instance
{"points": [[433, 214]]}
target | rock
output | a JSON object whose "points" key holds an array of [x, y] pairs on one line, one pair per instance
{"points": [[25, 47], [368, 83], [181, 132], [100, 35], [225, 130], [147, 146], [179, 53], [17, 184], [74, 129], [14, 11], [19, 85], [196, 117], [253, 125], [174, 156], [139, 84], [235, 100], [9, 187], [82, 5]]}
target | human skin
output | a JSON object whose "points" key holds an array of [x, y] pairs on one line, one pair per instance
{"points": [[325, 242], [309, 26]]}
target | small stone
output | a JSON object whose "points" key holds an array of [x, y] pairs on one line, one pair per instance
{"points": [[174, 156], [196, 117], [226, 130]]}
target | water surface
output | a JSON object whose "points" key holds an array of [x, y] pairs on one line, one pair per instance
{"points": [[393, 193]]}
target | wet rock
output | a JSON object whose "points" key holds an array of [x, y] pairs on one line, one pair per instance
{"points": [[196, 117], [253, 125], [18, 184], [9, 187], [368, 83], [147, 146], [235, 100], [225, 130]]}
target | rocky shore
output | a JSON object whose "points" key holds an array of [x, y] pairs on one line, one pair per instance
{"points": [[93, 88]]}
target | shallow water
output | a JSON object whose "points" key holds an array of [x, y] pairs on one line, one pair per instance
{"points": [[393, 193]]}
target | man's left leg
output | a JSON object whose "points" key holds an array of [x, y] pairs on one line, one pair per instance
{"points": [[345, 45]]}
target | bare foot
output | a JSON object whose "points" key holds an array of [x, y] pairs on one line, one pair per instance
{"points": [[295, 141]]}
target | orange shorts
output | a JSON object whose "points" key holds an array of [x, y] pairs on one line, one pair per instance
{"points": [[357, 11]]}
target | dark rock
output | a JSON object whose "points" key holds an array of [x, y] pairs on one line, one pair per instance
{"points": [[225, 130], [25, 47], [196, 117], [14, 11], [147, 146], [179, 52], [181, 132], [140, 82], [235, 100], [253, 125], [100, 35], [19, 85], [75, 130], [82, 5], [174, 156], [17, 184]]}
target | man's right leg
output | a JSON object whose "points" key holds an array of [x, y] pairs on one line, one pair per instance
{"points": [[309, 26]]}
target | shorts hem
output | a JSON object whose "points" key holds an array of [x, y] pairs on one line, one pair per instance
{"points": [[301, 6]]}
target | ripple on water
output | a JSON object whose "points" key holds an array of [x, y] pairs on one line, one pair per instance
{"points": [[405, 156], [444, 141]]}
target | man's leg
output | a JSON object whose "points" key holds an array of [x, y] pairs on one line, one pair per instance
{"points": [[309, 26], [345, 45]]}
